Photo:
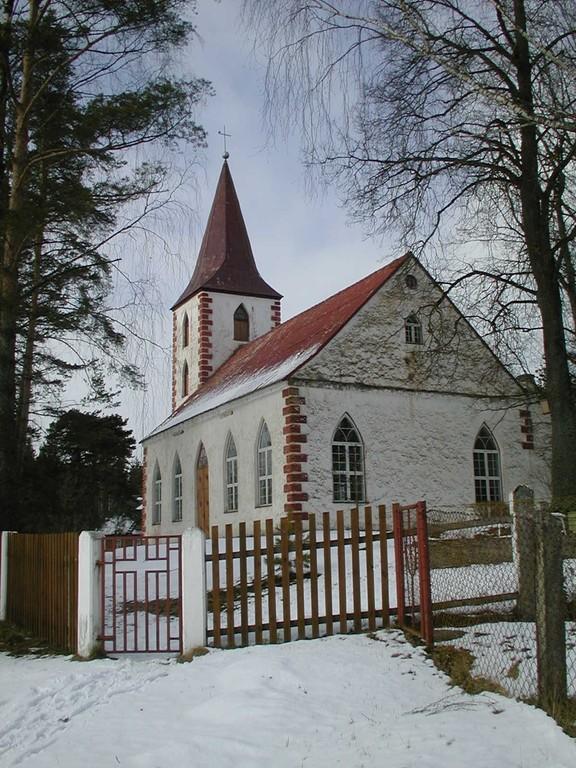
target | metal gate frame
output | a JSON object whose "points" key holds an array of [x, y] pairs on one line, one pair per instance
{"points": [[412, 557], [128, 592]]}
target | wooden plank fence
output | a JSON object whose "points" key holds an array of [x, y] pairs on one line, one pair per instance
{"points": [[43, 586], [303, 580]]}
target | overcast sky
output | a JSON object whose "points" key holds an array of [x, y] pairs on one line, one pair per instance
{"points": [[303, 245]]}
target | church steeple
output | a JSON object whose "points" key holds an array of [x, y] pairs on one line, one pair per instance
{"points": [[226, 303], [225, 262]]}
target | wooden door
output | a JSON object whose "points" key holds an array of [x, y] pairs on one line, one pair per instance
{"points": [[202, 492]]}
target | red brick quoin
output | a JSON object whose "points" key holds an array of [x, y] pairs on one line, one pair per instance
{"points": [[295, 475], [276, 316], [144, 486], [174, 366], [527, 429], [204, 337]]}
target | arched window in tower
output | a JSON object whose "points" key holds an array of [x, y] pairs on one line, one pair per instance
{"points": [[413, 330], [231, 470], [185, 330], [487, 475], [264, 467], [177, 491], [241, 324], [156, 496], [185, 389], [347, 462]]}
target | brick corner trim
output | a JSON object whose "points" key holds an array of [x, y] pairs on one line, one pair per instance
{"points": [[144, 487], [526, 429], [295, 475], [204, 337], [276, 313]]}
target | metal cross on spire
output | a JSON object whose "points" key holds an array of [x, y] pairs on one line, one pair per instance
{"points": [[225, 135]]}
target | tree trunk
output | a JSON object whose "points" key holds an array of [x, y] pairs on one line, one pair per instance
{"points": [[535, 215], [13, 238]]}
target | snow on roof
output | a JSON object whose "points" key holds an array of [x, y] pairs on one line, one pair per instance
{"points": [[279, 353]]}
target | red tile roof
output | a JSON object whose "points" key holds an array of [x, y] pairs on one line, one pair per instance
{"points": [[225, 261], [279, 353]]}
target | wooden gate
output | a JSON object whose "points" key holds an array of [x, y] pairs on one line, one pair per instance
{"points": [[414, 601], [141, 594]]}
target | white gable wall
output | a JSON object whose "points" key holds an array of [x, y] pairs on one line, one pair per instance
{"points": [[371, 348], [243, 419]]}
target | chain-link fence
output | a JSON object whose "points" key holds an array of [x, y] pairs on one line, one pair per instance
{"points": [[494, 594]]}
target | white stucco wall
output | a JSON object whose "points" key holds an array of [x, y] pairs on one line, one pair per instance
{"points": [[418, 445], [243, 419], [371, 348], [223, 307], [189, 353]]}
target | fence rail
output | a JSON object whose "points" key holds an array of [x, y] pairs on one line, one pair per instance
{"points": [[43, 586], [335, 580]]}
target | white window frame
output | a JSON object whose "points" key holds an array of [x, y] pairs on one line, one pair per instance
{"points": [[177, 491], [264, 467], [348, 468], [413, 330], [156, 496], [487, 468], [231, 476]]}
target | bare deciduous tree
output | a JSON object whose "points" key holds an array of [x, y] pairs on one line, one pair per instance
{"points": [[443, 114]]}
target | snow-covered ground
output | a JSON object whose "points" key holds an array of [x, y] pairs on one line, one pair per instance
{"points": [[341, 701]]}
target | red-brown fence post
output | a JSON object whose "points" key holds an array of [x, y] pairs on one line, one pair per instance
{"points": [[399, 561], [426, 626]]}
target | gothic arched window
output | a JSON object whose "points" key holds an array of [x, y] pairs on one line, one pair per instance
{"points": [[413, 330], [487, 476], [185, 379], [231, 470], [347, 462], [185, 330], [241, 324], [264, 467], [156, 496], [177, 491]]}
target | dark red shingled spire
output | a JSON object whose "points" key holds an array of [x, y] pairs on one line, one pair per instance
{"points": [[225, 261]]}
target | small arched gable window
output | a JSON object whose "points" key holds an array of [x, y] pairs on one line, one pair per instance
{"points": [[241, 324], [264, 467], [413, 330], [487, 476], [347, 462], [156, 496], [185, 379], [231, 470], [177, 491], [185, 330]]}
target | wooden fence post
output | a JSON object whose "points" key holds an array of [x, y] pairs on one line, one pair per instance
{"points": [[194, 598], [524, 549], [90, 617], [550, 611], [3, 574]]}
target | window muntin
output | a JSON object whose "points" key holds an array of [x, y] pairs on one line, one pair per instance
{"points": [[185, 330], [185, 379], [177, 492], [241, 324], [413, 330], [486, 462], [347, 463], [156, 496], [231, 468], [264, 468]]}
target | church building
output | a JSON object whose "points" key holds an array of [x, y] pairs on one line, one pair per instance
{"points": [[381, 392]]}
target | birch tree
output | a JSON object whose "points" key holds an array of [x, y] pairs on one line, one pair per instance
{"points": [[434, 115]]}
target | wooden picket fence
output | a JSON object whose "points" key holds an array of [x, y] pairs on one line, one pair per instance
{"points": [[43, 586], [337, 581]]}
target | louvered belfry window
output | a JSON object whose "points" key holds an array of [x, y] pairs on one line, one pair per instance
{"points": [[241, 324]]}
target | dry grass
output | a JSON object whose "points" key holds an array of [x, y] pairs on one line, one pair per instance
{"points": [[457, 663]]}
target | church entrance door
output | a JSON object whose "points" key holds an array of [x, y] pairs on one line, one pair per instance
{"points": [[202, 488]]}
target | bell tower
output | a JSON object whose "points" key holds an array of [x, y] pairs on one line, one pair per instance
{"points": [[226, 303]]}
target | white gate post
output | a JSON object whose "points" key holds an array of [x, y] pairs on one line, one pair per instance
{"points": [[3, 574], [194, 603], [89, 594]]}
